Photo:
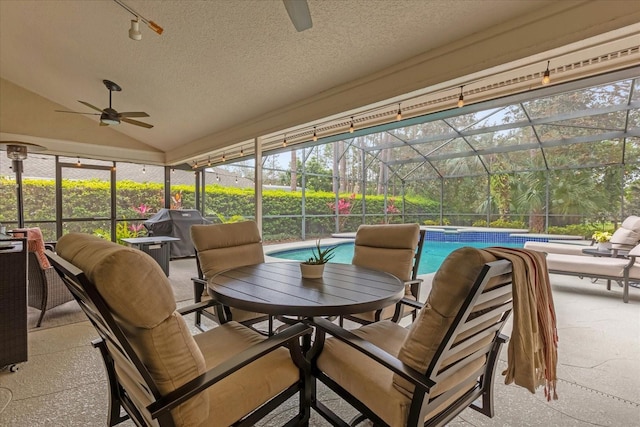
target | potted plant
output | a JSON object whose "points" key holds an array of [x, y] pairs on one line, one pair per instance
{"points": [[314, 266], [602, 238]]}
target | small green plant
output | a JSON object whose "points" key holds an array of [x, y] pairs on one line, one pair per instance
{"points": [[601, 236], [320, 255]]}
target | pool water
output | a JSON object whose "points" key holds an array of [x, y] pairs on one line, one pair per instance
{"points": [[433, 253]]}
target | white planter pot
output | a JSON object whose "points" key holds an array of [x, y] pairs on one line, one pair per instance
{"points": [[311, 271], [604, 247]]}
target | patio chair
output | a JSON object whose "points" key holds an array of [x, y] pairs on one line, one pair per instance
{"points": [[157, 372], [45, 289], [395, 249], [617, 267], [429, 373], [221, 247]]}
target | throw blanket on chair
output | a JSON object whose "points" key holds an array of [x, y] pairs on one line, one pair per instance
{"points": [[35, 243], [533, 347]]}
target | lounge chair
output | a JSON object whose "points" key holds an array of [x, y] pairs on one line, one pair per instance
{"points": [[619, 268], [624, 238]]}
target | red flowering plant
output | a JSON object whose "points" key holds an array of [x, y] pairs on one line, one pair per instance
{"points": [[344, 208], [391, 208]]}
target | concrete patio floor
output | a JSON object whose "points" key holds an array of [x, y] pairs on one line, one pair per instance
{"points": [[63, 383]]}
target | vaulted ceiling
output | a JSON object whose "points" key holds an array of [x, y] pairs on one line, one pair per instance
{"points": [[224, 73]]}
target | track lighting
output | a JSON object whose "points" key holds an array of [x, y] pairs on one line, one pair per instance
{"points": [[399, 115], [134, 31], [351, 127], [315, 135], [546, 77], [461, 98]]}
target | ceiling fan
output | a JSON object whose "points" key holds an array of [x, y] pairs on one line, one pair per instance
{"points": [[299, 14], [110, 116]]}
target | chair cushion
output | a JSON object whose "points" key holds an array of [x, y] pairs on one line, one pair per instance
{"points": [[368, 381], [597, 266], [451, 285], [557, 248], [241, 392], [140, 297], [224, 246], [389, 248], [631, 223]]}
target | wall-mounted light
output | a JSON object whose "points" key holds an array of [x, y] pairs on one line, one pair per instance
{"points": [[241, 151], [546, 77], [144, 168], [461, 98], [78, 164], [399, 114], [351, 126], [284, 141], [209, 161], [315, 135], [223, 157]]}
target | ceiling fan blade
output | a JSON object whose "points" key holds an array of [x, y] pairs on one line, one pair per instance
{"points": [[76, 112], [133, 114], [299, 14], [90, 106], [137, 123]]}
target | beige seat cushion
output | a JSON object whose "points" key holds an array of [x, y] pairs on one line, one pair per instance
{"points": [[365, 379], [557, 248], [390, 248], [451, 285], [251, 386], [613, 267]]}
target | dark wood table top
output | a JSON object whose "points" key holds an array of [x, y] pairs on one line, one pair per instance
{"points": [[278, 288]]}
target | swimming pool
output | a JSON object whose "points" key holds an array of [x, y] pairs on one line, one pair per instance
{"points": [[433, 253]]}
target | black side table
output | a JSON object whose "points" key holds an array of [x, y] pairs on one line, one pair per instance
{"points": [[157, 246]]}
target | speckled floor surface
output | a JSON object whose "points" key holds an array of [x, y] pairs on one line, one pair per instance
{"points": [[63, 383]]}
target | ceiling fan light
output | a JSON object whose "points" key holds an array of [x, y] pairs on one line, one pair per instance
{"points": [[134, 31], [105, 119]]}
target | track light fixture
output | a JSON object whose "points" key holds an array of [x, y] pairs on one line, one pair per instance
{"points": [[399, 115], [134, 31], [461, 98], [315, 135], [546, 77], [351, 127]]}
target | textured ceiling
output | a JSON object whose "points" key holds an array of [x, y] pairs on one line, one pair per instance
{"points": [[227, 71]]}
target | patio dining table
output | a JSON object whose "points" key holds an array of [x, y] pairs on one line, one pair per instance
{"points": [[278, 288]]}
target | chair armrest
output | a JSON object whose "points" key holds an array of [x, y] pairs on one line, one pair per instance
{"points": [[375, 353], [196, 307], [288, 337], [199, 281], [411, 303]]}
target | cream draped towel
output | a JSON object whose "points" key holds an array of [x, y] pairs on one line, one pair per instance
{"points": [[533, 347]]}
